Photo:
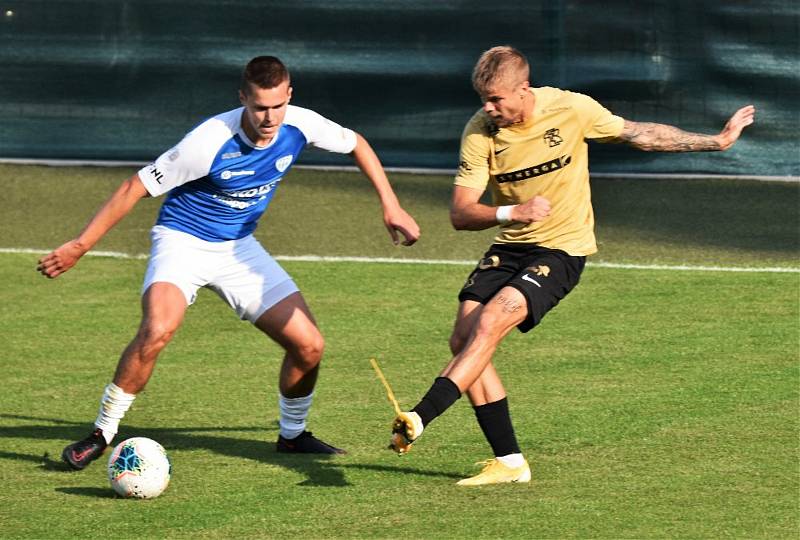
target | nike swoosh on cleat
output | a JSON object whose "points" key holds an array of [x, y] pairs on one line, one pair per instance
{"points": [[79, 457]]}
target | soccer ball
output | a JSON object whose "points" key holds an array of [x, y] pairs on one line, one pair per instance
{"points": [[139, 468]]}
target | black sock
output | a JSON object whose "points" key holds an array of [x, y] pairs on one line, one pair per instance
{"points": [[495, 421], [441, 395]]}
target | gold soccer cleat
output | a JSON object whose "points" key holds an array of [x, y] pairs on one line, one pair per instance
{"points": [[495, 472], [406, 428]]}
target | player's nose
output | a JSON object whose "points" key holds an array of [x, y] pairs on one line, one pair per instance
{"points": [[270, 117]]}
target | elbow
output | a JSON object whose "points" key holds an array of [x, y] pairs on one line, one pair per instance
{"points": [[642, 146], [458, 222], [649, 148], [455, 221], [133, 188], [360, 143]]}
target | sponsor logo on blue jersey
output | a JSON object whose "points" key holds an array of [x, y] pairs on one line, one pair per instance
{"points": [[241, 181], [255, 195], [227, 175]]}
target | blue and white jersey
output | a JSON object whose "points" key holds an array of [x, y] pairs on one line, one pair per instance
{"points": [[219, 183]]}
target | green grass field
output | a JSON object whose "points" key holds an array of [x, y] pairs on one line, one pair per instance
{"points": [[651, 403]]}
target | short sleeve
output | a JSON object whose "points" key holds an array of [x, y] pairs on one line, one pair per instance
{"points": [[189, 160], [473, 165], [598, 122], [321, 132]]}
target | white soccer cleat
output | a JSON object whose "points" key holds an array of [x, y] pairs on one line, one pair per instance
{"points": [[406, 428]]}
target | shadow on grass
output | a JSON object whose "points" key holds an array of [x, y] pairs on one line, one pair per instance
{"points": [[98, 493], [319, 470]]}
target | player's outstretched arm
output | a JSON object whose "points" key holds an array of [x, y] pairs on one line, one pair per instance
{"points": [[397, 221], [652, 137], [116, 207]]}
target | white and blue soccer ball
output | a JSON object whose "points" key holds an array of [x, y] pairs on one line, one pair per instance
{"points": [[139, 468]]}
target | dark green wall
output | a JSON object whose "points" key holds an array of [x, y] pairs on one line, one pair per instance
{"points": [[111, 79]]}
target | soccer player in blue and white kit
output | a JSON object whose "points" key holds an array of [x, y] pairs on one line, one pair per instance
{"points": [[219, 180]]}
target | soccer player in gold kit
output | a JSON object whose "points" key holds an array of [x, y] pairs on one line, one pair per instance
{"points": [[528, 145]]}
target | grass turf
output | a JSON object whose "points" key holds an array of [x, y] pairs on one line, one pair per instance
{"points": [[703, 222], [655, 414], [651, 404]]}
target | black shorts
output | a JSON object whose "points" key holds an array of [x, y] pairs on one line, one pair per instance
{"points": [[543, 275]]}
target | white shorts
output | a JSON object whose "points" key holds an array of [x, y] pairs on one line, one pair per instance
{"points": [[240, 271]]}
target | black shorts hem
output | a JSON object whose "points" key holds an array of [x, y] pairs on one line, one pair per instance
{"points": [[463, 296]]}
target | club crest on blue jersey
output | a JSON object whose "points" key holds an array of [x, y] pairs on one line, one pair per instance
{"points": [[283, 163]]}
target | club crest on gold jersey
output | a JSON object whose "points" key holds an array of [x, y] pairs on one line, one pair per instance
{"points": [[552, 138]]}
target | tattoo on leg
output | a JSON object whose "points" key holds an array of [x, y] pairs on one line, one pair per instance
{"points": [[509, 305]]}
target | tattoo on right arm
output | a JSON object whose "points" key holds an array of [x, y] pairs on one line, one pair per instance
{"points": [[652, 137]]}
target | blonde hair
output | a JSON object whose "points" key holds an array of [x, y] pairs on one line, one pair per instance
{"points": [[502, 64]]}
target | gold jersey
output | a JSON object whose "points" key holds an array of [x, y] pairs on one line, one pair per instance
{"points": [[546, 155]]}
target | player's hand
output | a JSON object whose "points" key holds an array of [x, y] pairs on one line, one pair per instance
{"points": [[733, 129], [399, 222], [60, 260], [535, 209]]}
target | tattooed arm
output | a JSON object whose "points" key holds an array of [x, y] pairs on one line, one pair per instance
{"points": [[652, 137]]}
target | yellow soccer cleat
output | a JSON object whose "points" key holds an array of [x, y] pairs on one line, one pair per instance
{"points": [[495, 472], [406, 428]]}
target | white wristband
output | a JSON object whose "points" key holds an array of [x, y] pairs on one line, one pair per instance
{"points": [[503, 213]]}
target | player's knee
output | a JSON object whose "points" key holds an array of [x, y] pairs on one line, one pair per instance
{"points": [[489, 328], [154, 335], [457, 342], [309, 352]]}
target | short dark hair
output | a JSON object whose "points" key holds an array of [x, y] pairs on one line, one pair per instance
{"points": [[264, 72]]}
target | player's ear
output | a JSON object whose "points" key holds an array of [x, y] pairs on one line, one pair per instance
{"points": [[242, 98], [289, 94]]}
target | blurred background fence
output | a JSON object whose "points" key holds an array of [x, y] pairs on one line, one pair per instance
{"points": [[124, 80]]}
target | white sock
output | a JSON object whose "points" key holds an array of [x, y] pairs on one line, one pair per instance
{"points": [[512, 460], [113, 406], [293, 413]]}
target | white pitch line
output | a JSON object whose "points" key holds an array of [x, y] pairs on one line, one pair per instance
{"points": [[390, 260], [793, 178], [111, 254]]}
